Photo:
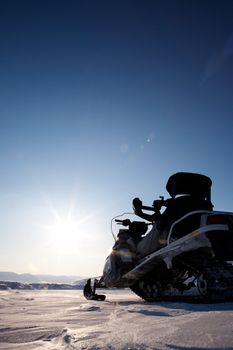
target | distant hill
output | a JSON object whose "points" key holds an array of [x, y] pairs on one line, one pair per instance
{"points": [[7, 285], [31, 278]]}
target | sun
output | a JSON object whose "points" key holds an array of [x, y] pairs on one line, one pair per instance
{"points": [[65, 229], [63, 235]]}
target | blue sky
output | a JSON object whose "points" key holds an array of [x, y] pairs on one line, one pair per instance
{"points": [[100, 102]]}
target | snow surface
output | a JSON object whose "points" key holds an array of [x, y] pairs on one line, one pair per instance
{"points": [[52, 320]]}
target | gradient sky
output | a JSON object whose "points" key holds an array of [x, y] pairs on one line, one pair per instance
{"points": [[100, 102]]}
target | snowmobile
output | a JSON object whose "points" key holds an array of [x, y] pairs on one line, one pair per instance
{"points": [[195, 261]]}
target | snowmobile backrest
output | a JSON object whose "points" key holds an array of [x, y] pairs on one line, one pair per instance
{"points": [[190, 184]]}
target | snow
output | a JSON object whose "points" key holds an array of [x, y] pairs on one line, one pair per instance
{"points": [[52, 320]]}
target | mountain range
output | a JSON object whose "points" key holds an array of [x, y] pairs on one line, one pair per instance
{"points": [[31, 278]]}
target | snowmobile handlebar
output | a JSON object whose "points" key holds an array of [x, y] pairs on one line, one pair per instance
{"points": [[125, 222], [145, 207], [157, 204], [128, 222]]}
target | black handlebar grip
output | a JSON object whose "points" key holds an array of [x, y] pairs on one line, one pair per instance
{"points": [[144, 207]]}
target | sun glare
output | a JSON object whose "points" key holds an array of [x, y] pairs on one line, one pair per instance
{"points": [[66, 230]]}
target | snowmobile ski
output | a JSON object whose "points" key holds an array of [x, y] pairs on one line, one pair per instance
{"points": [[90, 293]]}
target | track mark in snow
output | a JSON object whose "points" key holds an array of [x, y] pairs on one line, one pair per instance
{"points": [[28, 334], [151, 313], [88, 307], [64, 340]]}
